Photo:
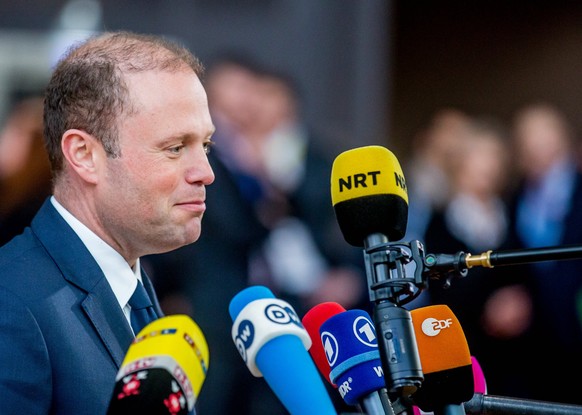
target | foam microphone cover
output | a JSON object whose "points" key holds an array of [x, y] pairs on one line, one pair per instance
{"points": [[273, 343], [478, 377], [369, 194], [312, 321], [163, 370], [444, 356], [349, 339]]}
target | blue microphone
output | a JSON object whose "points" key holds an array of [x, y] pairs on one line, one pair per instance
{"points": [[351, 347], [273, 343]]}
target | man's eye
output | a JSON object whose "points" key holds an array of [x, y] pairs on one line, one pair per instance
{"points": [[207, 146], [176, 149]]}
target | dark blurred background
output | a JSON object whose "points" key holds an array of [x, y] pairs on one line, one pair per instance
{"points": [[338, 51], [371, 71], [484, 57]]}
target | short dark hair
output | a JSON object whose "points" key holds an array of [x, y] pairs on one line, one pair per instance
{"points": [[87, 90]]}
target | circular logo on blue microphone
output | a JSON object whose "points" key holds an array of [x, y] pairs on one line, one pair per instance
{"points": [[282, 315], [365, 332], [330, 347], [244, 338]]}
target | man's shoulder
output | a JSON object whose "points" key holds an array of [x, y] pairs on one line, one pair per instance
{"points": [[24, 262]]}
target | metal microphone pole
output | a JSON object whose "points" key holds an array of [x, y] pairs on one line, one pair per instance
{"points": [[461, 261], [387, 283], [499, 405]]}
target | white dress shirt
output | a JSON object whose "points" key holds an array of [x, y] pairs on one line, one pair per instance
{"points": [[120, 276]]}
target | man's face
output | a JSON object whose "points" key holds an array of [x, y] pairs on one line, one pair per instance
{"points": [[151, 199]]}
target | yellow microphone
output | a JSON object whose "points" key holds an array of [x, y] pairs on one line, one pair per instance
{"points": [[163, 370], [369, 194]]}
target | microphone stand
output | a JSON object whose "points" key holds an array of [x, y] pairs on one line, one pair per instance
{"points": [[435, 265], [389, 287], [499, 405]]}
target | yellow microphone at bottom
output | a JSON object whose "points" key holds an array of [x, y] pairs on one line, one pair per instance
{"points": [[163, 370]]}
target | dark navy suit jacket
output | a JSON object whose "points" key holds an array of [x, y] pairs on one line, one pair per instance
{"points": [[63, 335]]}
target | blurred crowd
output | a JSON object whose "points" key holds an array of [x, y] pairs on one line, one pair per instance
{"points": [[475, 182], [24, 166]]}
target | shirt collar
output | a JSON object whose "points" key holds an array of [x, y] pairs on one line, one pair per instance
{"points": [[120, 276]]}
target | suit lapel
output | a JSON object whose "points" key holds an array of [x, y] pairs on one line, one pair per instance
{"points": [[112, 327], [80, 268]]}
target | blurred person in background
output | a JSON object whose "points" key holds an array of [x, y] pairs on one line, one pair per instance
{"points": [[428, 174], [304, 257], [473, 220], [535, 307], [427, 171], [25, 176]]}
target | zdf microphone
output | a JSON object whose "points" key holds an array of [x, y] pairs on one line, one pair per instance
{"points": [[445, 359], [273, 343], [163, 370], [369, 194]]}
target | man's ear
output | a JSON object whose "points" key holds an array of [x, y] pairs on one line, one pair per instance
{"points": [[84, 153]]}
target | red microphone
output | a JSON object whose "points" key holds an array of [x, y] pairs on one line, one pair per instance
{"points": [[332, 328], [312, 321]]}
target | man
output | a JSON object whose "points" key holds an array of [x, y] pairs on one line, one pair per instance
{"points": [[127, 129]]}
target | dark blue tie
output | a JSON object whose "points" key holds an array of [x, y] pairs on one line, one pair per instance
{"points": [[142, 310]]}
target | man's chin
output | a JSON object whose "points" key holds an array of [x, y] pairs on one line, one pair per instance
{"points": [[177, 242], [191, 236]]}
